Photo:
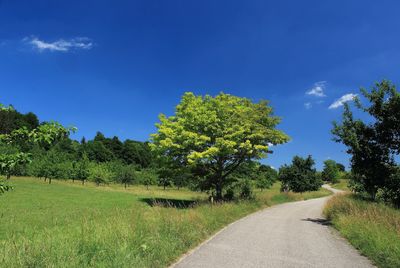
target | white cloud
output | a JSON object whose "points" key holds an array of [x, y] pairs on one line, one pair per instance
{"points": [[318, 89], [60, 45], [342, 100], [308, 105]]}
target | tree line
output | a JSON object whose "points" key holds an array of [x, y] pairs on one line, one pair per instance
{"points": [[215, 144]]}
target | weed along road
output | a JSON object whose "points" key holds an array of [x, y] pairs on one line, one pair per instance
{"points": [[287, 235]]}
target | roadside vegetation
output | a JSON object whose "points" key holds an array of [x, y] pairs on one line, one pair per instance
{"points": [[373, 228], [111, 203], [370, 218], [374, 144], [342, 184], [68, 224], [105, 202]]}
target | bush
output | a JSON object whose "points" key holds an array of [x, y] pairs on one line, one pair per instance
{"points": [[4, 187], [127, 175], [331, 171], [300, 176], [242, 189], [391, 191], [246, 190], [99, 174], [147, 177]]}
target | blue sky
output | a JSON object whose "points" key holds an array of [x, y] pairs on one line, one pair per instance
{"points": [[114, 66]]}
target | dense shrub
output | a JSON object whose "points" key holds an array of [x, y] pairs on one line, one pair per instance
{"points": [[331, 171], [127, 175], [147, 177], [300, 176], [99, 174]]}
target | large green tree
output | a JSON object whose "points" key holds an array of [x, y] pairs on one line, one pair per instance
{"points": [[374, 144], [216, 135]]}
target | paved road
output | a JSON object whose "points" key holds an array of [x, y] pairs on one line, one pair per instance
{"points": [[287, 235]]}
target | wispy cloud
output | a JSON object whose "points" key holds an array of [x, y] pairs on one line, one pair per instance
{"points": [[342, 100], [62, 45], [318, 89], [308, 105]]}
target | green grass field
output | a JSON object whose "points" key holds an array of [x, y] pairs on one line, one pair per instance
{"points": [[342, 185], [69, 225], [372, 228]]}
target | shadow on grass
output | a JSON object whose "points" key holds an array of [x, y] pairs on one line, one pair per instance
{"points": [[169, 203], [320, 221]]}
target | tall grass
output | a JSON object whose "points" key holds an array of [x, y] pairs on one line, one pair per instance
{"points": [[69, 225], [343, 184], [372, 228]]}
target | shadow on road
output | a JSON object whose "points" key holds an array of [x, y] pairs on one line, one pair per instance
{"points": [[320, 221]]}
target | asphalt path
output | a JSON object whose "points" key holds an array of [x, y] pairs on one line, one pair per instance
{"points": [[288, 235]]}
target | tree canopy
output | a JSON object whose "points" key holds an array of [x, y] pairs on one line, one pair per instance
{"points": [[374, 144], [42, 134], [300, 176], [215, 135], [331, 171]]}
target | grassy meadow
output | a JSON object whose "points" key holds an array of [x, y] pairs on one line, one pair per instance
{"points": [[343, 184], [371, 227], [70, 225]]}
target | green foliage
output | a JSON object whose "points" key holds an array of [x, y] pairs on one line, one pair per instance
{"points": [[341, 167], [300, 176], [246, 190], [4, 187], [81, 168], [391, 190], [127, 175], [102, 149], [99, 174], [44, 135], [139, 153], [373, 145], [11, 119], [9, 162], [98, 152], [266, 177], [147, 177], [215, 136], [331, 171]]}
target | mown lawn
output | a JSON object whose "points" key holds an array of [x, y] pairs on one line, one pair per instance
{"points": [[372, 228], [69, 225]]}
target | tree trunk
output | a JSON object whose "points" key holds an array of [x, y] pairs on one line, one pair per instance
{"points": [[125, 185], [8, 176], [218, 190], [83, 182], [164, 187], [73, 180], [49, 180]]}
